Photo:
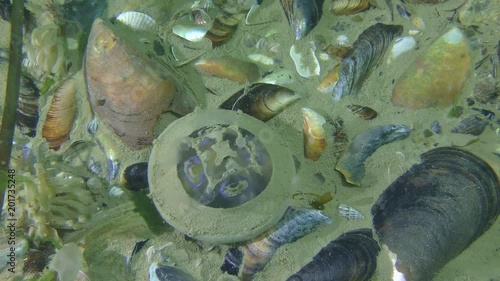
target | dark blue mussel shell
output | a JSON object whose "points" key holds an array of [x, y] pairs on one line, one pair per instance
{"points": [[352, 256], [434, 211]]}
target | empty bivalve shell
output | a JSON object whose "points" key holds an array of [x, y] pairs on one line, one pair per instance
{"points": [[212, 170]]}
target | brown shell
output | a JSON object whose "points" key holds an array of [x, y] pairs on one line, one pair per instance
{"points": [[127, 91], [61, 115], [363, 112], [223, 28], [228, 67], [347, 7]]}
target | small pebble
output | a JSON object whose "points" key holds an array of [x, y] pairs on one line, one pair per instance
{"points": [[428, 133]]}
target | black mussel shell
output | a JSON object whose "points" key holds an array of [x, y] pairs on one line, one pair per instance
{"points": [[135, 176], [27, 110], [434, 211], [168, 273], [352, 256], [369, 49], [260, 100]]}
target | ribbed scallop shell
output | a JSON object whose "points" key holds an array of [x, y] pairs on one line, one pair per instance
{"points": [[349, 212], [347, 7], [61, 115], [314, 134], [137, 21], [363, 112]]}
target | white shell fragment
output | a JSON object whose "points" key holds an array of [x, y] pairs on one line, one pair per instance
{"points": [[137, 21], [306, 63], [343, 40], [401, 45], [349, 212], [193, 33], [115, 191], [281, 78], [260, 58]]}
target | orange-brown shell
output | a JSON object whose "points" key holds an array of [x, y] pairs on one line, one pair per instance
{"points": [[347, 7], [229, 68], [326, 85], [126, 90], [61, 115], [314, 134], [435, 78]]}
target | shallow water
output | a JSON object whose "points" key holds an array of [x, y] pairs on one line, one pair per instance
{"points": [[121, 221]]}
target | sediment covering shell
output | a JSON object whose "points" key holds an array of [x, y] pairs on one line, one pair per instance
{"points": [[452, 194]]}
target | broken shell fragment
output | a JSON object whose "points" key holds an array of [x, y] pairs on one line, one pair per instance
{"points": [[436, 77], [262, 101], [61, 115], [230, 68], [127, 90], [193, 33], [369, 50], [328, 83], [351, 163], [348, 7], [363, 112], [306, 62], [314, 134], [401, 45]]}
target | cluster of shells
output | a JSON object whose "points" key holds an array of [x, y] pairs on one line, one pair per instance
{"points": [[50, 115]]}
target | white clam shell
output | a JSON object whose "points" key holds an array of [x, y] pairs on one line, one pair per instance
{"points": [[137, 21], [193, 33], [306, 62], [349, 212], [401, 45]]}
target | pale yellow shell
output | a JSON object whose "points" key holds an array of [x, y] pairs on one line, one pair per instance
{"points": [[314, 134]]}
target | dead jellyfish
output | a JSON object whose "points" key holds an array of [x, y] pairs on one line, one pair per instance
{"points": [[211, 170], [223, 166]]}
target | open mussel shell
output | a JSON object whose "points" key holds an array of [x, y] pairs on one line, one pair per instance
{"points": [[442, 204], [302, 15], [369, 50], [262, 101], [352, 256]]}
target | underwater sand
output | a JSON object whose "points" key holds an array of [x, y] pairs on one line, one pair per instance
{"points": [[111, 237]]}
